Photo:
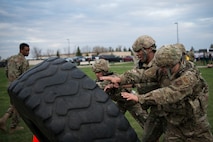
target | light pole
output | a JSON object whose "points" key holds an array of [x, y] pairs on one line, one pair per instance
{"points": [[177, 32], [68, 47]]}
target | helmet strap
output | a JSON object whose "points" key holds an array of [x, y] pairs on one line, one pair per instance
{"points": [[144, 55], [170, 75]]}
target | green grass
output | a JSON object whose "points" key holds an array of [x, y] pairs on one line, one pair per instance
{"points": [[20, 136], [26, 135], [207, 73]]}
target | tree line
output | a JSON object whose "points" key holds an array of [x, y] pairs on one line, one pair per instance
{"points": [[37, 53]]}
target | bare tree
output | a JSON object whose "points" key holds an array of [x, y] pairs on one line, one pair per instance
{"points": [[50, 52], [118, 48], [99, 49], [86, 49], [111, 49], [36, 52], [124, 49]]}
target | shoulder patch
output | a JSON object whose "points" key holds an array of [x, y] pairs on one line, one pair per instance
{"points": [[182, 82]]}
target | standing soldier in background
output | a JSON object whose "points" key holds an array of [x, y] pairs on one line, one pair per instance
{"points": [[182, 99], [16, 65], [101, 68], [191, 55]]}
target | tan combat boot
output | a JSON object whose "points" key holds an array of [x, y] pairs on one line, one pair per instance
{"points": [[4, 118]]}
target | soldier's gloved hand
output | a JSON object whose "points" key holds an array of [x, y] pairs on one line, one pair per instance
{"points": [[129, 96]]}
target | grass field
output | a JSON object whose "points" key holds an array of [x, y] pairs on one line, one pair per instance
{"points": [[26, 135]]}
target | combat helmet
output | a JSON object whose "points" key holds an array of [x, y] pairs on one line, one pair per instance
{"points": [[168, 56], [181, 47], [100, 65], [143, 42]]}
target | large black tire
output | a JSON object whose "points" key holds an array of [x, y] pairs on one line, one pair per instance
{"points": [[59, 103]]}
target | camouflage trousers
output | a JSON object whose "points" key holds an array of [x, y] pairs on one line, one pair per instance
{"points": [[135, 110], [15, 120], [154, 127], [190, 131]]}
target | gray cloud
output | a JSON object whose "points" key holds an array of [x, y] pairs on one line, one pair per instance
{"points": [[47, 24]]}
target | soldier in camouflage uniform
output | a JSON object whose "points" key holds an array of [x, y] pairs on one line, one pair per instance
{"points": [[191, 55], [16, 65], [144, 48], [101, 68], [182, 99]]}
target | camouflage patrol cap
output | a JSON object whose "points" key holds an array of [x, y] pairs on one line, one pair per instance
{"points": [[144, 41], [100, 65], [167, 56], [181, 47]]}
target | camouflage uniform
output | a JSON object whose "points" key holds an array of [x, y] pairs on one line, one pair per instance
{"points": [[154, 125], [145, 86], [182, 100], [191, 55], [142, 43], [153, 128], [182, 48], [16, 65], [134, 108]]}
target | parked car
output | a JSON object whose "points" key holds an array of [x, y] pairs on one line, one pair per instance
{"points": [[78, 59], [69, 60], [128, 59], [88, 58], [3, 63], [94, 57], [110, 58]]}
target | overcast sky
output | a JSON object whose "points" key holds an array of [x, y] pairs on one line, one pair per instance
{"points": [[56, 24]]}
